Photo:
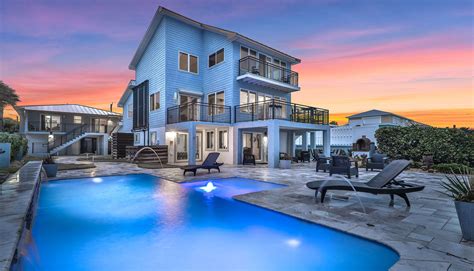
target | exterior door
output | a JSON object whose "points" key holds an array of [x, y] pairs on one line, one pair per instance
{"points": [[189, 107], [181, 147], [198, 146]]}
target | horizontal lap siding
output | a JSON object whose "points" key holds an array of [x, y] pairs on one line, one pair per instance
{"points": [[127, 123], [187, 39], [152, 68], [218, 77]]}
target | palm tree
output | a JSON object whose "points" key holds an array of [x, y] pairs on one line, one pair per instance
{"points": [[8, 96]]}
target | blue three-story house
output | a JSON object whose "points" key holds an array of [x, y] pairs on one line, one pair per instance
{"points": [[200, 89]]}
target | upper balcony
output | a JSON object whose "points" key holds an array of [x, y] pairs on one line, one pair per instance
{"points": [[281, 110], [260, 72], [194, 111]]}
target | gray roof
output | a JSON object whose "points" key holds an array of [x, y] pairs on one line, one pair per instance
{"points": [[229, 34], [68, 108], [373, 113]]}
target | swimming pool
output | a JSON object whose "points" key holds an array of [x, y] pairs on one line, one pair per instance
{"points": [[139, 222]]}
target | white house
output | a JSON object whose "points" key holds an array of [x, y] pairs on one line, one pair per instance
{"points": [[66, 129], [361, 127]]}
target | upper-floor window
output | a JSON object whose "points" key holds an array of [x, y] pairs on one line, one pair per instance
{"points": [[50, 123], [154, 101], [244, 51], [216, 58], [77, 119], [188, 62], [216, 103], [130, 110]]}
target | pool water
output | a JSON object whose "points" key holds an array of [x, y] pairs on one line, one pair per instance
{"points": [[139, 222]]}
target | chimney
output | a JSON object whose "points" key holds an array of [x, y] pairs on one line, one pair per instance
{"points": [[111, 105]]}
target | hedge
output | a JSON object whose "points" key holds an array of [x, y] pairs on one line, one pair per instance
{"points": [[452, 168], [17, 143], [447, 145]]}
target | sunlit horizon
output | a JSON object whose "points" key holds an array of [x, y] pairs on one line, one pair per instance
{"points": [[355, 57]]}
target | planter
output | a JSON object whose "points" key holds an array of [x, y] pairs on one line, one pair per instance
{"points": [[465, 212], [51, 169], [285, 164]]}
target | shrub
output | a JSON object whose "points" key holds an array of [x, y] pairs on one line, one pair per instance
{"points": [[17, 143], [451, 168], [447, 145]]}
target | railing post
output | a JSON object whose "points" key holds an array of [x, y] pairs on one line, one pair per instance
{"points": [[273, 108]]}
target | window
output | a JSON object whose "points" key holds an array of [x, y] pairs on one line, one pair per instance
{"points": [[216, 58], [216, 103], [153, 138], [223, 140], [244, 51], [210, 140], [77, 119], [50, 123], [247, 97], [188, 63], [130, 110], [137, 138], [154, 101]]}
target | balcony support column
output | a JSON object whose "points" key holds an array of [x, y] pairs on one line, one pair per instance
{"points": [[304, 141], [312, 140], [327, 142], [192, 143], [273, 145]]}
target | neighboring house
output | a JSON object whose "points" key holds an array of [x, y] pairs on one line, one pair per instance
{"points": [[359, 132], [200, 89], [66, 129]]}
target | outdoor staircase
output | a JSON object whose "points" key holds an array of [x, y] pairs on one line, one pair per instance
{"points": [[57, 149]]}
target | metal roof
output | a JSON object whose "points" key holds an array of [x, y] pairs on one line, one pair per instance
{"points": [[231, 35], [68, 108], [371, 113]]}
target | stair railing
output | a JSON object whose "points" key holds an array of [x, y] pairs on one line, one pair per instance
{"points": [[71, 134]]}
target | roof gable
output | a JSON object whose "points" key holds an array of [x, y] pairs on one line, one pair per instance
{"points": [[233, 36]]}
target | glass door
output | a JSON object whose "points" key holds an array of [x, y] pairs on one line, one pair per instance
{"points": [[181, 149], [198, 146], [189, 107]]}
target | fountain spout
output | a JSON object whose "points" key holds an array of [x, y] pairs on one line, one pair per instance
{"points": [[351, 185], [209, 187]]}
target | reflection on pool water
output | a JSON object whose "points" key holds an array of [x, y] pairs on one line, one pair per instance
{"points": [[139, 222]]}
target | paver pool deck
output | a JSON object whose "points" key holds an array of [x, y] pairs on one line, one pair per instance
{"points": [[427, 236]]}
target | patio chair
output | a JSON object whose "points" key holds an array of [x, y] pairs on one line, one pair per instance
{"points": [[382, 183], [249, 158], [209, 163], [304, 156], [343, 165], [322, 162], [376, 161]]}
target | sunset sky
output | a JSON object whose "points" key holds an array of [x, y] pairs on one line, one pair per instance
{"points": [[413, 58]]}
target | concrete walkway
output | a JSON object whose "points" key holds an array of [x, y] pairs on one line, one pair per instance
{"points": [[427, 236]]}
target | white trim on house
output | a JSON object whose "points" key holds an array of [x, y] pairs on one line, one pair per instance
{"points": [[266, 82]]}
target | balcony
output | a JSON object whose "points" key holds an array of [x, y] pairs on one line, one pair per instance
{"points": [[53, 127], [275, 109], [198, 112], [259, 72]]}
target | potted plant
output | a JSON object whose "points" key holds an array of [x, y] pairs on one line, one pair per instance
{"points": [[460, 187], [50, 167], [285, 161]]}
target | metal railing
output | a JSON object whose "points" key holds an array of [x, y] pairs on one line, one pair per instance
{"points": [[58, 141], [199, 112], [276, 109], [38, 126], [250, 64]]}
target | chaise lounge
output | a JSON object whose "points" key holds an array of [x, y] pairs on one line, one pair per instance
{"points": [[382, 183], [209, 163]]}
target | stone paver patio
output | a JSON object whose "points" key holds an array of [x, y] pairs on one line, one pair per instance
{"points": [[427, 236]]}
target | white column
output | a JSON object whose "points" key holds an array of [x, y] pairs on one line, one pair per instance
{"points": [[293, 144], [312, 140], [273, 145], [105, 145], [304, 141], [192, 144], [327, 142]]}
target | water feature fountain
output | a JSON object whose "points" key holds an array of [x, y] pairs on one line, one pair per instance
{"points": [[351, 185], [209, 187], [147, 148]]}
